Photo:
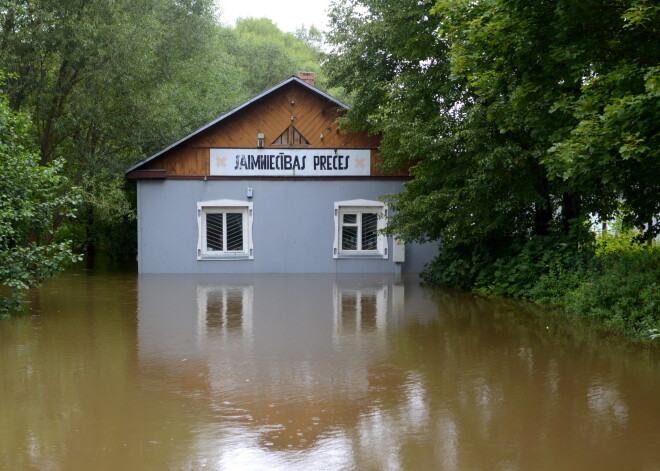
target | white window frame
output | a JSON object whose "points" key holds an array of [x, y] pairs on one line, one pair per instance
{"points": [[225, 206], [358, 207]]}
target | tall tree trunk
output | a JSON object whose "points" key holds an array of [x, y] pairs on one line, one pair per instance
{"points": [[543, 208], [90, 248], [570, 210]]}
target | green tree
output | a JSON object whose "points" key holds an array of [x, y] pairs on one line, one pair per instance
{"points": [[266, 55], [33, 199], [312, 36], [107, 83], [490, 103], [475, 188], [582, 79]]}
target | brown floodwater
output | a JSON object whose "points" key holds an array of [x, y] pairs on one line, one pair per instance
{"points": [[314, 372]]}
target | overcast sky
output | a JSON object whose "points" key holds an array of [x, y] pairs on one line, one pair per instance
{"points": [[286, 14]]}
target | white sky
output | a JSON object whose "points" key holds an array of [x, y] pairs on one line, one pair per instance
{"points": [[286, 14]]}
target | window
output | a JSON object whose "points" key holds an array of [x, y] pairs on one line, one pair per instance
{"points": [[225, 230], [357, 229]]}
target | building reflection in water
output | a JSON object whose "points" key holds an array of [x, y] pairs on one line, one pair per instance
{"points": [[359, 310], [279, 360], [357, 372], [224, 312]]}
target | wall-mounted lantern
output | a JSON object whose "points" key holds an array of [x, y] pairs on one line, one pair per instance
{"points": [[260, 139]]}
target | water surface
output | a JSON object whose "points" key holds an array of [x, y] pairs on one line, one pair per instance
{"points": [[323, 372]]}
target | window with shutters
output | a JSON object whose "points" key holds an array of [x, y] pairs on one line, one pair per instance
{"points": [[225, 230], [358, 226]]}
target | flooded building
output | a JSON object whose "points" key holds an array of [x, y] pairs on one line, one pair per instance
{"points": [[272, 186]]}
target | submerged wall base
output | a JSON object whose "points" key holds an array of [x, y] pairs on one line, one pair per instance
{"points": [[293, 228]]}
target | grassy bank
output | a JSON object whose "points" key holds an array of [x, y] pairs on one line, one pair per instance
{"points": [[620, 289], [614, 280]]}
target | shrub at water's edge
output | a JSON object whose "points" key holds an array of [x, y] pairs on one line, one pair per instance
{"points": [[32, 198], [614, 280], [621, 289]]}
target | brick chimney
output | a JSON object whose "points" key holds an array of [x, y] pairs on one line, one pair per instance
{"points": [[308, 77]]}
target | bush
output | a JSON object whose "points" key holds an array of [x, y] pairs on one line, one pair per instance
{"points": [[624, 293], [619, 287], [32, 198], [458, 266], [517, 274], [501, 269], [613, 280]]}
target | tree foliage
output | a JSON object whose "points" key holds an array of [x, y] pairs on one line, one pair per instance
{"points": [[266, 55], [108, 83], [473, 184], [101, 77], [521, 120], [32, 200], [583, 77]]}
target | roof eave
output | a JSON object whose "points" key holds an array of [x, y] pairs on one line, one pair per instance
{"points": [[235, 110]]}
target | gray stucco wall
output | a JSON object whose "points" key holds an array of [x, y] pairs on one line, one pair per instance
{"points": [[293, 229]]}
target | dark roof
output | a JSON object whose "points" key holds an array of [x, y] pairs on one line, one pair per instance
{"points": [[238, 108]]}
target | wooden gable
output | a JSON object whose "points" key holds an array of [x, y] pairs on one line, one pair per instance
{"points": [[309, 116]]}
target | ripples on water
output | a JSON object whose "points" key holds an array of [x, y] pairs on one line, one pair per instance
{"points": [[320, 372]]}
